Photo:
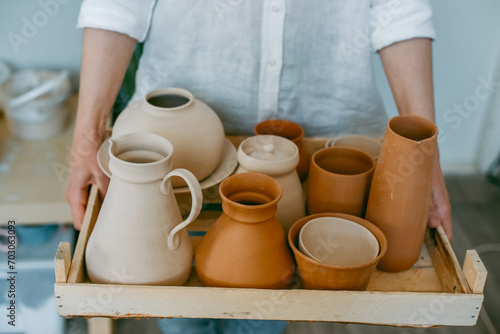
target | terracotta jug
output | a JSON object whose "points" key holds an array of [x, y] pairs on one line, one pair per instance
{"points": [[191, 126], [139, 236], [246, 246], [277, 157], [401, 189], [288, 130]]}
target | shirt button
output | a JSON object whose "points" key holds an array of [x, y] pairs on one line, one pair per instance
{"points": [[272, 62], [275, 9]]}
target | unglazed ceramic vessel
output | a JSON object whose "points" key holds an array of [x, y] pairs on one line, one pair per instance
{"points": [[363, 143], [401, 190], [139, 236], [291, 131], [192, 127], [246, 246], [339, 181], [277, 157], [338, 242], [317, 275]]}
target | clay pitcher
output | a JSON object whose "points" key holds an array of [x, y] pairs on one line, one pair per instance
{"points": [[246, 246], [277, 157], [401, 189], [139, 236], [291, 131]]}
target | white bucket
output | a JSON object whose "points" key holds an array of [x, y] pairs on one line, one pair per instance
{"points": [[36, 108]]}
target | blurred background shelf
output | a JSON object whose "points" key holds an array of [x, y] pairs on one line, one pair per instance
{"points": [[33, 176]]}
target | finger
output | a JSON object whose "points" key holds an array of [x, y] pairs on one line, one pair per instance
{"points": [[102, 183], [433, 219], [77, 199]]}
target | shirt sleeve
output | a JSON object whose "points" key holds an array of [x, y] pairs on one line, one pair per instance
{"points": [[397, 20], [130, 17]]}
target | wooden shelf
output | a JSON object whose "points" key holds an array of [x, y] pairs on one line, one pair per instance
{"points": [[435, 292], [33, 176]]}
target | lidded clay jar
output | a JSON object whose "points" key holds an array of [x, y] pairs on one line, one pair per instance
{"points": [[288, 130], [192, 127], [277, 157], [246, 246]]}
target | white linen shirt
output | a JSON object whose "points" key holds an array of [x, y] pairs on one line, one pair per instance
{"points": [[307, 61]]}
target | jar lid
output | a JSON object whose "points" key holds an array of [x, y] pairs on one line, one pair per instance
{"points": [[268, 154]]}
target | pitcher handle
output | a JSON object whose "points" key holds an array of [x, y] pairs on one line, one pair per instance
{"points": [[197, 201]]}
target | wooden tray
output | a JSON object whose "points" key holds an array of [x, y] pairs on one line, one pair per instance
{"points": [[436, 291]]}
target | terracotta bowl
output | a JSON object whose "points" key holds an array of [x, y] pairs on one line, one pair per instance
{"points": [[321, 276], [338, 242]]}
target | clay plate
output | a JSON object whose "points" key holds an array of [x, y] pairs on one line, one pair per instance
{"points": [[225, 168]]}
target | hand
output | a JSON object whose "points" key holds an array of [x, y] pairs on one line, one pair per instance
{"points": [[440, 210], [84, 171]]}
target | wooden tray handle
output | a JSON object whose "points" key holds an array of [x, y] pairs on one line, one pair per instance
{"points": [[475, 272], [62, 262]]}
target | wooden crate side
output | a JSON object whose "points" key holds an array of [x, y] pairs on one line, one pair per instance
{"points": [[76, 273], [62, 262], [382, 308], [475, 272], [445, 261]]}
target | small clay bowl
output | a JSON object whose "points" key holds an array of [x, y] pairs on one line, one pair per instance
{"points": [[338, 242], [321, 276], [369, 145]]}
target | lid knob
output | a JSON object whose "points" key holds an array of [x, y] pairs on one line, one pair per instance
{"points": [[269, 148]]}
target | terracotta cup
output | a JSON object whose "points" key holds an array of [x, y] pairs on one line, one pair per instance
{"points": [[339, 181], [291, 131], [317, 275]]}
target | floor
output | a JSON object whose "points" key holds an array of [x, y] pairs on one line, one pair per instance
{"points": [[476, 220]]}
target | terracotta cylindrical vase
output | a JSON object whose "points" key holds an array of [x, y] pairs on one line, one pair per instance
{"points": [[246, 246], [339, 181], [322, 276], [139, 236], [277, 157], [176, 115], [291, 131], [401, 189]]}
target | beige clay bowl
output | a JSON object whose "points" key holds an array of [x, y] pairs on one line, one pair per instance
{"points": [[369, 145], [337, 241]]}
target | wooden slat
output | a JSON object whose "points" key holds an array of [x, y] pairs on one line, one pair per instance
{"points": [[475, 272], [413, 280], [76, 274], [445, 261], [384, 308], [62, 262]]}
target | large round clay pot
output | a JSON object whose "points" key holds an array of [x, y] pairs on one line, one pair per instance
{"points": [[321, 276], [246, 246], [277, 157], [291, 131], [339, 181], [400, 194], [139, 236], [192, 127]]}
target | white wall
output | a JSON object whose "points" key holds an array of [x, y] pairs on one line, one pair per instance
{"points": [[48, 40], [467, 48]]}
